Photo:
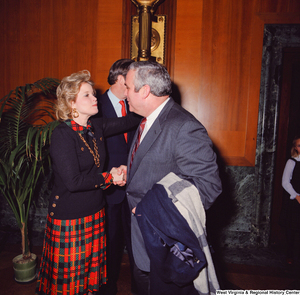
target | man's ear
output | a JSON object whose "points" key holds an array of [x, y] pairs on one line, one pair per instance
{"points": [[145, 91], [121, 79]]}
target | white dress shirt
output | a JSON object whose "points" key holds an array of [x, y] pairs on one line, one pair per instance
{"points": [[287, 177], [116, 103], [152, 117]]}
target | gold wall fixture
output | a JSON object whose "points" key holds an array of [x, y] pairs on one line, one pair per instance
{"points": [[148, 32]]}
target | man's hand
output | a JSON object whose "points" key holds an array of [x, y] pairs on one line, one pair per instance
{"points": [[123, 170], [298, 198], [118, 176]]}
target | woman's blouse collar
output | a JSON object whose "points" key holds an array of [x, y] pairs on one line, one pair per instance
{"points": [[79, 128]]}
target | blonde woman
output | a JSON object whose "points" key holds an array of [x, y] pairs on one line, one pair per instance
{"points": [[74, 254]]}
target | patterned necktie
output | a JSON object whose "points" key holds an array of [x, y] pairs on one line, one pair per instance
{"points": [[123, 110], [138, 139]]}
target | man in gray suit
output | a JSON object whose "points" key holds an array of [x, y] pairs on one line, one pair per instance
{"points": [[172, 140]]}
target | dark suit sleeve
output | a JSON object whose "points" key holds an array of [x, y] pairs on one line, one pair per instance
{"points": [[113, 126], [197, 161]]}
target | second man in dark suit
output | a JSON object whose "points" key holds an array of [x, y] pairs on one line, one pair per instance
{"points": [[113, 104]]}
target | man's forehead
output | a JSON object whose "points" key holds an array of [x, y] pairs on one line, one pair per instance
{"points": [[130, 73], [129, 76]]}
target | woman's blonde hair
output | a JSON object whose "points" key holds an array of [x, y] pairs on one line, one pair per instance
{"points": [[67, 92], [294, 152]]}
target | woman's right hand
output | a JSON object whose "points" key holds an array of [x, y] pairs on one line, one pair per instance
{"points": [[298, 198], [118, 176]]}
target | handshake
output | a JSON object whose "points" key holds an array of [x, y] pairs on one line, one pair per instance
{"points": [[119, 175]]}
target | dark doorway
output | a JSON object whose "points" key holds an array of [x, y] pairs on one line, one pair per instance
{"points": [[289, 126]]}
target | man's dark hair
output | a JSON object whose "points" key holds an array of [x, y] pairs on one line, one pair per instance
{"points": [[120, 67]]}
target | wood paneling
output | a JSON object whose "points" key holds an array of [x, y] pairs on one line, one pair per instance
{"points": [[212, 70], [109, 39], [42, 38], [213, 53], [187, 54], [218, 65], [279, 6], [46, 38]]}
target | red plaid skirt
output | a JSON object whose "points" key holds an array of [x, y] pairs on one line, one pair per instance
{"points": [[74, 256]]}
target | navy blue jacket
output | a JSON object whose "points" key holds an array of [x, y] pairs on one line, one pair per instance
{"points": [[116, 149], [165, 231]]}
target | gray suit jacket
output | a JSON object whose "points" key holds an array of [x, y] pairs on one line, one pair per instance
{"points": [[176, 142]]}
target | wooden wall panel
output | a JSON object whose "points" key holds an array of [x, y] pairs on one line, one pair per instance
{"points": [[218, 55], [279, 6], [212, 68], [109, 39], [187, 53], [42, 38], [214, 51]]}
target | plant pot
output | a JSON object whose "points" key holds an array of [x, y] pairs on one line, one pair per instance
{"points": [[25, 271]]}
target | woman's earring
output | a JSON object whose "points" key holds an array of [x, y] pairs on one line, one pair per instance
{"points": [[75, 114]]}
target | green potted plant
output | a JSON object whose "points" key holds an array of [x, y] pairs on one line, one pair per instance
{"points": [[26, 125]]}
